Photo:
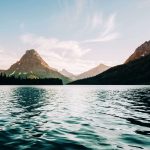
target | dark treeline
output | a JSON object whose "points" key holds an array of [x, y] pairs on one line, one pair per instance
{"points": [[12, 80]]}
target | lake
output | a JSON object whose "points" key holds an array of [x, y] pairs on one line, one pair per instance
{"points": [[74, 117]]}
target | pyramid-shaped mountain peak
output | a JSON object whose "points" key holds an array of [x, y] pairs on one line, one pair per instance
{"points": [[31, 63]]}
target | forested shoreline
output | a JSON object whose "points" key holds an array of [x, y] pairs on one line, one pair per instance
{"points": [[12, 80]]}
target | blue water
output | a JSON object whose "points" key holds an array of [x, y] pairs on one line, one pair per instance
{"points": [[74, 117]]}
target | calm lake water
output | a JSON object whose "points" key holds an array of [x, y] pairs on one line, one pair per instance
{"points": [[75, 117]]}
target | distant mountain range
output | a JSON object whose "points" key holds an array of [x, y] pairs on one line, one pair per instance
{"points": [[32, 66], [90, 73], [93, 72], [136, 70], [68, 74]]}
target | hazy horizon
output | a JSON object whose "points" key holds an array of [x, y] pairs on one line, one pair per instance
{"points": [[74, 35]]}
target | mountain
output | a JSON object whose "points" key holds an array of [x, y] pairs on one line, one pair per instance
{"points": [[93, 72], [31, 65], [68, 74], [132, 73], [2, 71], [90, 73], [141, 51]]}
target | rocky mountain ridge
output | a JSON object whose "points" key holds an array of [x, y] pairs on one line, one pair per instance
{"points": [[142, 51]]}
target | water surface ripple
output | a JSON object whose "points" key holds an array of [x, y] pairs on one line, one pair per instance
{"points": [[74, 117]]}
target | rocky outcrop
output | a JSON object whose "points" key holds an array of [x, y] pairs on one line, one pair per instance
{"points": [[141, 51]]}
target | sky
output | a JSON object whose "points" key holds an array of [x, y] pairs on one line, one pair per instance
{"points": [[73, 34]]}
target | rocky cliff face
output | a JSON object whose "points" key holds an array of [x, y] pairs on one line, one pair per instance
{"points": [[31, 65], [141, 51]]}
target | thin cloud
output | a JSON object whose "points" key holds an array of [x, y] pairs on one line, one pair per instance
{"points": [[61, 54], [80, 4], [6, 59], [110, 24], [105, 38], [143, 3], [67, 48], [97, 20], [109, 32], [1, 49], [95, 26]]}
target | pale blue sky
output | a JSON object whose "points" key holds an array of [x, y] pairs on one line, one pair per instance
{"points": [[73, 34]]}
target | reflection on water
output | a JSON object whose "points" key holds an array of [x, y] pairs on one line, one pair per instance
{"points": [[74, 117]]}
